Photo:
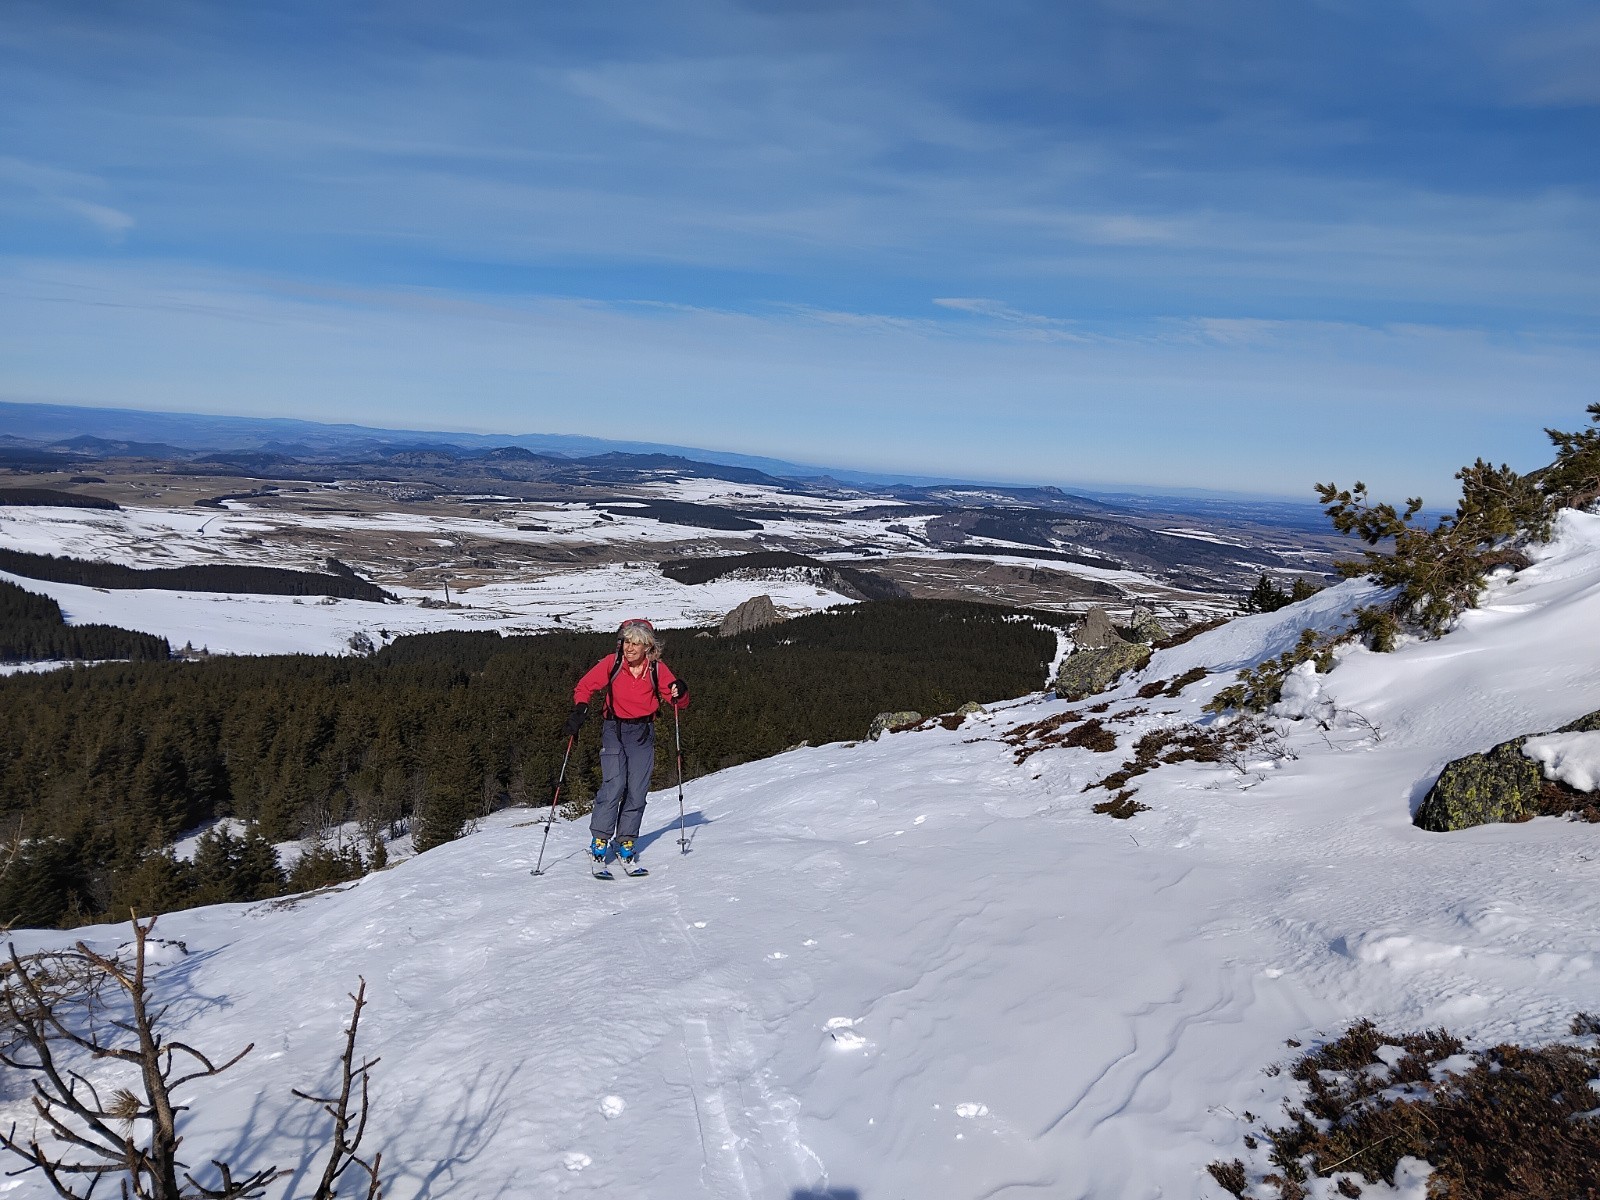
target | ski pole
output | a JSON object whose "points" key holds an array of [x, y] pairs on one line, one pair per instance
{"points": [[554, 800], [677, 743]]}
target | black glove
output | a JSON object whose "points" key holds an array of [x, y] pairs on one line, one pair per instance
{"points": [[678, 689], [575, 720]]}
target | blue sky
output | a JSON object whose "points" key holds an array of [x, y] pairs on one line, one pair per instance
{"points": [[1238, 245]]}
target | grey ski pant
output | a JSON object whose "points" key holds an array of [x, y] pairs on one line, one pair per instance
{"points": [[627, 756]]}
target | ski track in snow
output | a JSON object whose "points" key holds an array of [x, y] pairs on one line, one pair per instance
{"points": [[914, 968]]}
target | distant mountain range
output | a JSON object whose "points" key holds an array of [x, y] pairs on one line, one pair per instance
{"points": [[55, 436]]}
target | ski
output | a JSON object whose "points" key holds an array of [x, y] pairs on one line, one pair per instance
{"points": [[633, 869], [600, 871]]}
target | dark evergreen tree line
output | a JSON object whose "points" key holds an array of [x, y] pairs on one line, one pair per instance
{"points": [[704, 570], [102, 767], [50, 498], [204, 577], [32, 629]]}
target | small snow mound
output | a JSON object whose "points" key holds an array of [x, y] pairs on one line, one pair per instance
{"points": [[1569, 758], [840, 1023], [158, 952], [1389, 1056], [612, 1107], [972, 1111], [575, 1160], [1402, 951], [846, 1039]]}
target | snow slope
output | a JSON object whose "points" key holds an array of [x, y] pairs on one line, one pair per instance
{"points": [[917, 968]]}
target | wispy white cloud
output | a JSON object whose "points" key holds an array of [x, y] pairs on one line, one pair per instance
{"points": [[1034, 325], [110, 221], [55, 189]]}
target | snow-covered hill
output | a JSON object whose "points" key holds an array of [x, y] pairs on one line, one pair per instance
{"points": [[918, 968]]}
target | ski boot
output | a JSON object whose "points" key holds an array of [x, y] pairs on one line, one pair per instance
{"points": [[628, 854], [598, 846]]}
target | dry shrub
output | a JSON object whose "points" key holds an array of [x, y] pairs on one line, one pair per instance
{"points": [[1189, 633], [1171, 687], [1557, 799], [1121, 806], [1064, 729], [1092, 735], [1230, 1176], [1514, 1122], [1192, 675], [1183, 743]]}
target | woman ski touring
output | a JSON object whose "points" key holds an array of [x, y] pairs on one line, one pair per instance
{"points": [[635, 681]]}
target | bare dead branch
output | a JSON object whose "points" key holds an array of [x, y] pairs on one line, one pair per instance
{"points": [[45, 999], [349, 1125]]}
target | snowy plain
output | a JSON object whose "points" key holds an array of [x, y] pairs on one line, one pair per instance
{"points": [[565, 597], [595, 598], [920, 968]]}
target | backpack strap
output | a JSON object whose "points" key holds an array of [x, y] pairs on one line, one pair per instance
{"points": [[616, 666]]}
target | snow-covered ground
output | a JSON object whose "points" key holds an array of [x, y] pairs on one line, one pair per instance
{"points": [[589, 598], [539, 598], [916, 968]]}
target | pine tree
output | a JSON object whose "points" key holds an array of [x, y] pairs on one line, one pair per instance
{"points": [[1266, 596], [1303, 589]]}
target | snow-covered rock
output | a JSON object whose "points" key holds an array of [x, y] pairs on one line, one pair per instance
{"points": [[1569, 758]]}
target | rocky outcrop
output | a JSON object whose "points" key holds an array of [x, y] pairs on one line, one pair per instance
{"points": [[970, 708], [1147, 629], [892, 722], [755, 613], [1500, 784], [1096, 632], [1088, 672]]}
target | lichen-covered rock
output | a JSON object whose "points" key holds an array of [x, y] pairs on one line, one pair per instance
{"points": [[1088, 672], [1502, 784], [1588, 724], [892, 722], [969, 708], [1096, 632], [1147, 629]]}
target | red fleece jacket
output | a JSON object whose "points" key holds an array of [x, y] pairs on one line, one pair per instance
{"points": [[630, 697]]}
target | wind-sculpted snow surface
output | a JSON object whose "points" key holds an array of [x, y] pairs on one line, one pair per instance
{"points": [[919, 968]]}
